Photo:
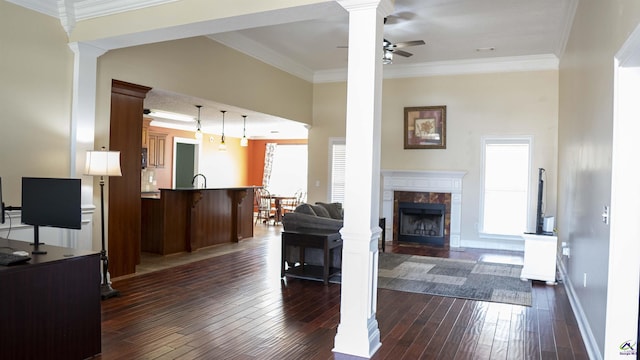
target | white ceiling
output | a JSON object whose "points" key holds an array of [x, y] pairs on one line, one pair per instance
{"points": [[526, 34]]}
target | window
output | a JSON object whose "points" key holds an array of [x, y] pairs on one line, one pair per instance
{"points": [[289, 170], [505, 190], [337, 162]]}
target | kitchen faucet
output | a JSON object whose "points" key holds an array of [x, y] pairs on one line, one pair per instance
{"points": [[193, 181]]}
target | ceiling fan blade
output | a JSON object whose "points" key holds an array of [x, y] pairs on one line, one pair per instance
{"points": [[402, 53], [398, 18], [404, 44]]}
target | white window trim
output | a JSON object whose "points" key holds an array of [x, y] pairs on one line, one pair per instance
{"points": [[504, 140]]}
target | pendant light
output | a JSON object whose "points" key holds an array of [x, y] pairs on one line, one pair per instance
{"points": [[198, 134], [244, 141], [223, 146]]}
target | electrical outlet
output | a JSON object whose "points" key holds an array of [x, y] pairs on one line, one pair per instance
{"points": [[584, 281], [566, 252]]}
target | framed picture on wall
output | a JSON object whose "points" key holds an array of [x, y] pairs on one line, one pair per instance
{"points": [[425, 127]]}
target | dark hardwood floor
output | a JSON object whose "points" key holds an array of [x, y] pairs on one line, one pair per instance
{"points": [[233, 305]]}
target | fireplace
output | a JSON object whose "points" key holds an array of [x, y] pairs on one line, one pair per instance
{"points": [[422, 218], [439, 187], [421, 223]]}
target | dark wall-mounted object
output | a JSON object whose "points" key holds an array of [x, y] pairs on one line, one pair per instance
{"points": [[144, 155]]}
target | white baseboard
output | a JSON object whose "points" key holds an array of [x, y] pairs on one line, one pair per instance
{"points": [[585, 330], [494, 244]]}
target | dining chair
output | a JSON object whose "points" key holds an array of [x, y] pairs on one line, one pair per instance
{"points": [[264, 210]]}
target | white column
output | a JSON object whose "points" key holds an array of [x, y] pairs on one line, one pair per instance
{"points": [[83, 113], [358, 333]]}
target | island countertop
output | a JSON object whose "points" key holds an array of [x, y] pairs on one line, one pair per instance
{"points": [[187, 219], [210, 188]]}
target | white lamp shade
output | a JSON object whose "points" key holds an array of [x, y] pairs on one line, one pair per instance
{"points": [[103, 163]]}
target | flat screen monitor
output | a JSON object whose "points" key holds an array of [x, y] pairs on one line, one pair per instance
{"points": [[1, 204], [53, 202]]}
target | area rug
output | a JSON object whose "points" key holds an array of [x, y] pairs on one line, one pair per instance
{"points": [[465, 279]]}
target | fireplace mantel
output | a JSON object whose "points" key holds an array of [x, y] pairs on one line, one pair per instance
{"points": [[424, 181]]}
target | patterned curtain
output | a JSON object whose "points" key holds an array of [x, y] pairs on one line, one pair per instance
{"points": [[268, 164]]}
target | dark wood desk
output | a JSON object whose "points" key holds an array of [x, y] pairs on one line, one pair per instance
{"points": [[327, 241], [51, 304]]}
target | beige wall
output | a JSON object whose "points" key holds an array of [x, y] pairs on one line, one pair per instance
{"points": [[36, 71], [329, 116], [519, 103]]}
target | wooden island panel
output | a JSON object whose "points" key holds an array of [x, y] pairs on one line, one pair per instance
{"points": [[190, 219]]}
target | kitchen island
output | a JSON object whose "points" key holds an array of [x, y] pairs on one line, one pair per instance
{"points": [[188, 219]]}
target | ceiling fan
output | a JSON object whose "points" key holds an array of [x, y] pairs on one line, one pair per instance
{"points": [[392, 48]]}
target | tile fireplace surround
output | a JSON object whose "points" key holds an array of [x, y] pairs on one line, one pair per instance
{"points": [[424, 181]]}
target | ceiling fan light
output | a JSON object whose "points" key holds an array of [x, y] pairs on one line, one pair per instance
{"points": [[387, 58]]}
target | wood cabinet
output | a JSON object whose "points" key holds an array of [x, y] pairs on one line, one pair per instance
{"points": [[156, 145], [124, 219], [145, 132]]}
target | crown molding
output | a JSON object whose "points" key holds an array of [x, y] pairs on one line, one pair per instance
{"points": [[258, 51], [332, 75], [566, 31], [475, 66], [458, 67], [87, 9]]}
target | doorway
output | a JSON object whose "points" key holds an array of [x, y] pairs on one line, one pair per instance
{"points": [[186, 154], [623, 290]]}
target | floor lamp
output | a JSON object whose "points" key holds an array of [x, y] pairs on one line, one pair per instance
{"points": [[104, 163]]}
